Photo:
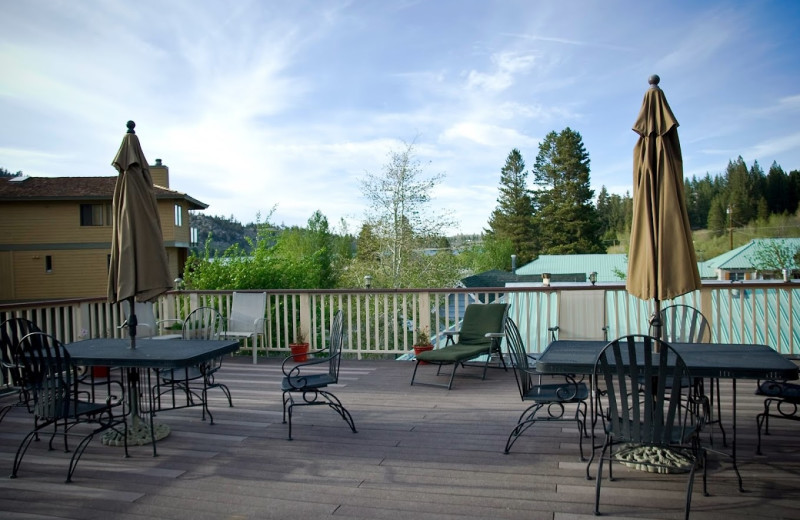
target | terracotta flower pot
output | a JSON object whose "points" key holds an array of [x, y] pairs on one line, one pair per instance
{"points": [[422, 348], [299, 351], [98, 371]]}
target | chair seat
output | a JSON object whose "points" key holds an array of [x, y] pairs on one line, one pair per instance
{"points": [[239, 334], [782, 390], [307, 382], [180, 374], [557, 393]]}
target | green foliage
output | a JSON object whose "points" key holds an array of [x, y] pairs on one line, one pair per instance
{"points": [[294, 258], [402, 230], [774, 255], [490, 253]]}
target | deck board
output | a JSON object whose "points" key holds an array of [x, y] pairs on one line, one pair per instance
{"points": [[421, 452]]}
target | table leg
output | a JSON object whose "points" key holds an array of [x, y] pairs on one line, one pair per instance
{"points": [[733, 446]]}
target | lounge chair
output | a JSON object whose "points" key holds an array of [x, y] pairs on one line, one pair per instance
{"points": [[480, 335]]}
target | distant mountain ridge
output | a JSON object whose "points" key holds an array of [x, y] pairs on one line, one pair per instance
{"points": [[224, 232]]}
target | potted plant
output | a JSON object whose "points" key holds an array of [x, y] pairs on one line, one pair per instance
{"points": [[422, 343], [299, 347]]}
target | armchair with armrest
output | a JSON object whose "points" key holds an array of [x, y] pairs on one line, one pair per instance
{"points": [[308, 380], [246, 320], [195, 381]]}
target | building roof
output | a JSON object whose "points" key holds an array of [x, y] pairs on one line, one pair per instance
{"points": [[496, 278], [744, 257], [606, 266], [16, 189]]}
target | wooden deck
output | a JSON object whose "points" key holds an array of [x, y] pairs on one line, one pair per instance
{"points": [[420, 453]]}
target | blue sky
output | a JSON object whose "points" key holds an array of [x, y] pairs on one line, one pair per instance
{"points": [[289, 103]]}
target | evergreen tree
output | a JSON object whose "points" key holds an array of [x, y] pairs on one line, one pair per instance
{"points": [[512, 219], [777, 189], [565, 219], [717, 216], [615, 214], [794, 191], [6, 173]]}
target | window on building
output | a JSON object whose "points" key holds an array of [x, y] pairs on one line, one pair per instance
{"points": [[95, 215], [48, 264], [178, 215]]}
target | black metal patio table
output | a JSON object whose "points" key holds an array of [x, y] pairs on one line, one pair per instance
{"points": [[150, 355], [707, 360]]}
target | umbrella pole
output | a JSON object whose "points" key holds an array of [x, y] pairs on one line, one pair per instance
{"points": [[132, 323], [655, 320]]}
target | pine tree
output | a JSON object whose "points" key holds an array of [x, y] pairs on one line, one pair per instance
{"points": [[512, 219], [565, 219]]}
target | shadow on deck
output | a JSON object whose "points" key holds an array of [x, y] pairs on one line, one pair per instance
{"points": [[420, 453]]}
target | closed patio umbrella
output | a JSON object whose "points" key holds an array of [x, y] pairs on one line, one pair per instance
{"points": [[661, 261], [139, 269]]}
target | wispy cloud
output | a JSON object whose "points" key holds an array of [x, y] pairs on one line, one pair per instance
{"points": [[289, 102]]}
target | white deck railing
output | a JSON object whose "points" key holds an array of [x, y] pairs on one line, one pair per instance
{"points": [[381, 322]]}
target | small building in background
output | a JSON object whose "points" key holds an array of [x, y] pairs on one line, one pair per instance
{"points": [[55, 234]]}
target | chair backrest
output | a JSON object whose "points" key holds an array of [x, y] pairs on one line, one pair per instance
{"points": [[203, 323], [519, 358], [582, 315], [246, 310], [684, 324], [335, 345], [145, 318], [481, 319], [50, 374], [646, 401], [12, 331]]}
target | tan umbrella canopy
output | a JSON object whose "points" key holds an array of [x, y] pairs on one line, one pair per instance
{"points": [[139, 269], [661, 261]]}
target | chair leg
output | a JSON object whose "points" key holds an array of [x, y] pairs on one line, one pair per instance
{"points": [[413, 375], [23, 447]]}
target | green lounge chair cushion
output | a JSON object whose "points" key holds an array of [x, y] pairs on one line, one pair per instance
{"points": [[479, 320], [454, 353]]}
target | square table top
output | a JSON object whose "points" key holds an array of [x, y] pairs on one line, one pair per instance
{"points": [[149, 353], [721, 360]]}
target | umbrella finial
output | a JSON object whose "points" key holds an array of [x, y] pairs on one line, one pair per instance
{"points": [[654, 80], [130, 126]]}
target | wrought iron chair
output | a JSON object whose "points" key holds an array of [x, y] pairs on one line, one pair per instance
{"points": [[549, 399], [304, 380], [247, 318], [480, 335], [684, 324], [11, 332], [648, 426], [782, 402], [195, 381], [55, 398]]}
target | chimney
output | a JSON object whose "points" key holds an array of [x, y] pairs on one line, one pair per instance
{"points": [[160, 174], [513, 264]]}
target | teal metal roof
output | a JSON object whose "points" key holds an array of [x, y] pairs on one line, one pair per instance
{"points": [[606, 266], [743, 258]]}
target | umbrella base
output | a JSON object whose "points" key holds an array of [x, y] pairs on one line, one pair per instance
{"points": [[139, 433], [654, 459]]}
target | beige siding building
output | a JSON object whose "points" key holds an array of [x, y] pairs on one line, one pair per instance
{"points": [[55, 234]]}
